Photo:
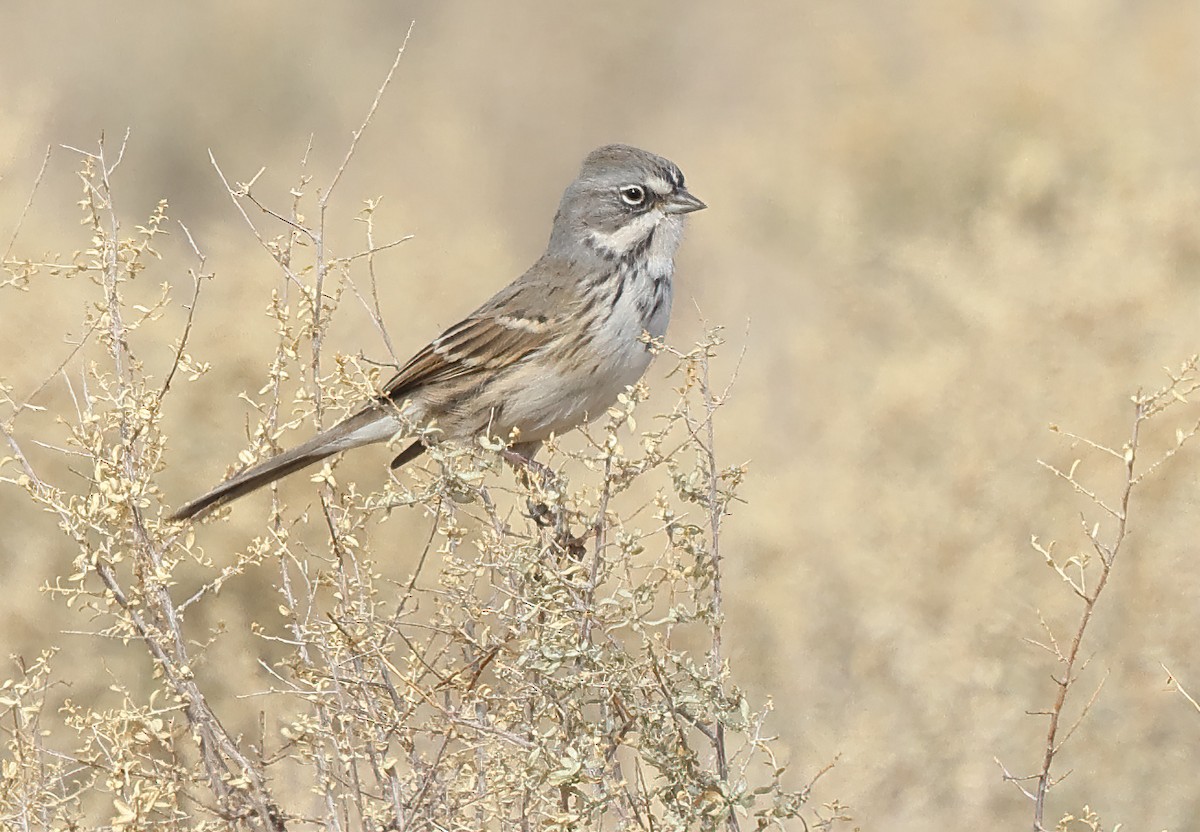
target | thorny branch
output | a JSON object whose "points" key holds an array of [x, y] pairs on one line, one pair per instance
{"points": [[1099, 566]]}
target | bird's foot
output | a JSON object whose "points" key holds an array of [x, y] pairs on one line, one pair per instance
{"points": [[529, 465]]}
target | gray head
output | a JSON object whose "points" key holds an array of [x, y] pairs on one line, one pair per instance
{"points": [[623, 198]]}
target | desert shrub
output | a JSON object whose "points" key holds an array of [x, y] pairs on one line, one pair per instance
{"points": [[554, 660]]}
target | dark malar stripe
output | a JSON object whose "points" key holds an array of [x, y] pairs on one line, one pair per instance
{"points": [[638, 250]]}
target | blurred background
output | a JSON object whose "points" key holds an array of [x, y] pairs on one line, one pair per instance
{"points": [[936, 228]]}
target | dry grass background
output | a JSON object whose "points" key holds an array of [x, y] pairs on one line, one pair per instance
{"points": [[949, 224]]}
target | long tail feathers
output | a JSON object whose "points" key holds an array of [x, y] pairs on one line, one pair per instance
{"points": [[363, 428]]}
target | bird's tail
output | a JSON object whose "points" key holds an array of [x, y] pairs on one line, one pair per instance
{"points": [[373, 424]]}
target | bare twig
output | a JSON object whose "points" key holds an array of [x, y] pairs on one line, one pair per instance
{"points": [[1090, 572], [1173, 680], [318, 326], [37, 181], [1064, 681], [198, 275]]}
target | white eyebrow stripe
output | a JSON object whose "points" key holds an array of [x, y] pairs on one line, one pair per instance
{"points": [[659, 185]]}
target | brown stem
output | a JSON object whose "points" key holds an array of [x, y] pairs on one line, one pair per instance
{"points": [[1107, 556]]}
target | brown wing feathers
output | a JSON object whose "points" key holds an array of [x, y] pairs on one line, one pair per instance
{"points": [[478, 343], [481, 344]]}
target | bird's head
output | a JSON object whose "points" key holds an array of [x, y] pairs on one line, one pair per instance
{"points": [[621, 201]]}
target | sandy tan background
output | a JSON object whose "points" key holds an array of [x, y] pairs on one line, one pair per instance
{"points": [[948, 224]]}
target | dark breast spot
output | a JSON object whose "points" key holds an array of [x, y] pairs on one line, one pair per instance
{"points": [[620, 289]]}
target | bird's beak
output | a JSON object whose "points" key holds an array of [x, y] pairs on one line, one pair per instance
{"points": [[682, 202]]}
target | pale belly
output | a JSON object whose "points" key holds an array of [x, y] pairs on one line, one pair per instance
{"points": [[562, 402]]}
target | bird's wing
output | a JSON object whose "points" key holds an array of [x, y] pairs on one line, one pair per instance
{"points": [[517, 321]]}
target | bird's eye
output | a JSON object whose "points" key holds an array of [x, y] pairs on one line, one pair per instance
{"points": [[633, 195]]}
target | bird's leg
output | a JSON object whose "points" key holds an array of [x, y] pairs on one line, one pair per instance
{"points": [[521, 459], [525, 462]]}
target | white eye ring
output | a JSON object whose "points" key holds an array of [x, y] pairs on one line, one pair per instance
{"points": [[633, 195]]}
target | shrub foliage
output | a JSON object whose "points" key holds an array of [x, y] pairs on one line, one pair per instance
{"points": [[552, 661]]}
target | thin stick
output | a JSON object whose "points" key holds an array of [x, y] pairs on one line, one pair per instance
{"points": [[318, 332], [28, 202], [370, 115], [197, 276]]}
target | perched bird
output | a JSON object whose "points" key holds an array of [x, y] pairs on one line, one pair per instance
{"points": [[549, 351]]}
